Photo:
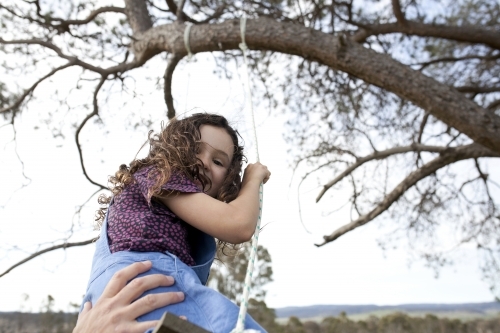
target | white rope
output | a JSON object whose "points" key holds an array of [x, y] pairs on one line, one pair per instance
{"points": [[187, 31], [253, 251]]}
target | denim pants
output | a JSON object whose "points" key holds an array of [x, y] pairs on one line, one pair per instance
{"points": [[202, 306]]}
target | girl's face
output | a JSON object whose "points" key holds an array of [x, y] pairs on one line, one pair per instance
{"points": [[216, 153]]}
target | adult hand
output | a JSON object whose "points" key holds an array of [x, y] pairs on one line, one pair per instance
{"points": [[118, 307]]}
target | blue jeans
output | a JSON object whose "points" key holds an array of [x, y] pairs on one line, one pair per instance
{"points": [[202, 306]]}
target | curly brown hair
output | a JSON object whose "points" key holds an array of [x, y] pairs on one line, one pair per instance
{"points": [[174, 148]]}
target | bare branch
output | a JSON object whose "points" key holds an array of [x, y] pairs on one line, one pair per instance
{"points": [[400, 16], [49, 249], [57, 50], [451, 155], [378, 155], [79, 129], [180, 12], [494, 105], [456, 59], [30, 90], [63, 26], [478, 90], [422, 127], [172, 62], [468, 34], [138, 16]]}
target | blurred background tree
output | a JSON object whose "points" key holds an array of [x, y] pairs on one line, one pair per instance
{"points": [[228, 277]]}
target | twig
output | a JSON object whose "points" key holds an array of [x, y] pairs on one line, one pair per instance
{"points": [[173, 60], [452, 155], [49, 249]]}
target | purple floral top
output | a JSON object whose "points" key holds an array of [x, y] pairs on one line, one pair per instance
{"points": [[138, 224]]}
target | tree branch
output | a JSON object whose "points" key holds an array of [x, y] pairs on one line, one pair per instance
{"points": [[172, 62], [494, 105], [468, 34], [183, 17], [180, 11], [441, 101], [477, 90], [57, 50], [451, 155], [63, 26], [79, 129], [400, 16], [455, 59], [378, 155], [49, 249], [138, 16], [30, 90]]}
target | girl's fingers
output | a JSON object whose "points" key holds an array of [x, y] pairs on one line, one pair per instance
{"points": [[152, 302], [120, 278]]}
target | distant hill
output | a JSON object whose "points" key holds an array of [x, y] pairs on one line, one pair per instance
{"points": [[480, 309]]}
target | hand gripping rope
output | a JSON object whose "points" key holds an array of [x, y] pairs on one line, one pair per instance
{"points": [[253, 251]]}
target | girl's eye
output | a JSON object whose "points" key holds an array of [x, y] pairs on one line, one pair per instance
{"points": [[219, 163]]}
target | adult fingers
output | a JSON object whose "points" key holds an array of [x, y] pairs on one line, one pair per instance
{"points": [[138, 286], [120, 278], [86, 308], [143, 326], [152, 302]]}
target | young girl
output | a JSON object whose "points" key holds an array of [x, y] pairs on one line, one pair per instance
{"points": [[168, 207]]}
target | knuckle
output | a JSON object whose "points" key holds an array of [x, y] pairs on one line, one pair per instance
{"points": [[150, 300], [137, 283]]}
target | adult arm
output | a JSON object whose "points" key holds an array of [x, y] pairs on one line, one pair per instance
{"points": [[232, 222], [118, 307]]}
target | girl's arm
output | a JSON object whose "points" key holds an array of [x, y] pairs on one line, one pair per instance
{"points": [[232, 222]]}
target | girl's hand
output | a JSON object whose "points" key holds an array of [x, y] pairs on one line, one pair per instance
{"points": [[118, 308], [256, 171]]}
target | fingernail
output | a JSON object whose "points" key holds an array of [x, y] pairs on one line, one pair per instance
{"points": [[169, 279], [180, 294], [146, 263]]}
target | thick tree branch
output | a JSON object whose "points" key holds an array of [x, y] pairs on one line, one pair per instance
{"points": [[49, 249], [30, 90], [467, 34], [441, 101], [450, 156], [378, 155], [94, 112], [172, 62]]}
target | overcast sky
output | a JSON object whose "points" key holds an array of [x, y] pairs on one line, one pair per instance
{"points": [[352, 270]]}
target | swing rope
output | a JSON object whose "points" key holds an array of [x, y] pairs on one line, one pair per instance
{"points": [[255, 239], [253, 251]]}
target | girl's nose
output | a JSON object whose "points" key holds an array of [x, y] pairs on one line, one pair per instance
{"points": [[206, 161]]}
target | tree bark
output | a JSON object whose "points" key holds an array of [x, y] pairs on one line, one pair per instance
{"points": [[443, 102]]}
